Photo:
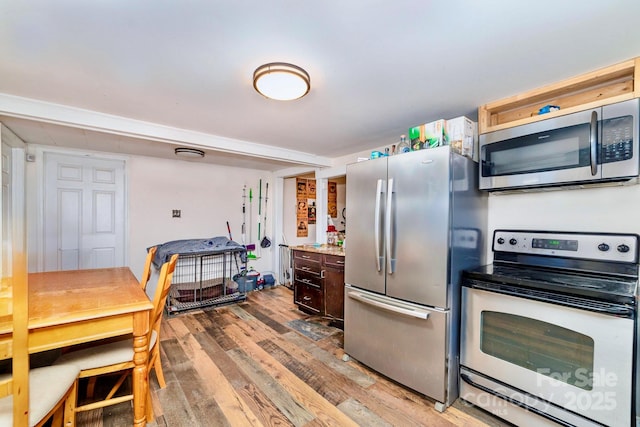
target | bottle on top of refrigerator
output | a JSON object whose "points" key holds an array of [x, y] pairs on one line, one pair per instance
{"points": [[403, 146]]}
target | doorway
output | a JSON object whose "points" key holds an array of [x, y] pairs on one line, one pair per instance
{"points": [[84, 212]]}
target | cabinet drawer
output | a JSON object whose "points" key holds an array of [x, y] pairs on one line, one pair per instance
{"points": [[306, 265], [309, 297], [309, 256], [308, 278], [334, 261]]}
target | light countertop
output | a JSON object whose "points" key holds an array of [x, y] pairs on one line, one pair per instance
{"points": [[321, 249]]}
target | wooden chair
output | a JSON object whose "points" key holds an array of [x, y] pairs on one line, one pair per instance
{"points": [[144, 280], [146, 273], [114, 357], [30, 397], [159, 302]]}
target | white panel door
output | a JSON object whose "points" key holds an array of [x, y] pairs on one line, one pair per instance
{"points": [[84, 212]]}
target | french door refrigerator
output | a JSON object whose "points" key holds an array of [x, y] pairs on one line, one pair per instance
{"points": [[416, 220]]}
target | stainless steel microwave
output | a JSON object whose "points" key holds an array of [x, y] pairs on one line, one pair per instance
{"points": [[596, 145]]}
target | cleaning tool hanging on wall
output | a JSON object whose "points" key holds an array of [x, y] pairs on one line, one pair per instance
{"points": [[250, 246], [265, 242], [250, 213], [229, 230], [244, 215], [259, 208]]}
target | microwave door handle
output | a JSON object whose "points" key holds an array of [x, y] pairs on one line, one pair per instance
{"points": [[376, 225], [593, 141]]}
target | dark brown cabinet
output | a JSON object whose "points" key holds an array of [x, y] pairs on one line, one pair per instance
{"points": [[318, 283]]}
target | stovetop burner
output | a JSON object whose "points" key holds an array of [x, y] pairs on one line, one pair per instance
{"points": [[601, 287], [598, 266]]}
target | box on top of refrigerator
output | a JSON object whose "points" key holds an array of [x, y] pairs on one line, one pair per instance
{"points": [[416, 137], [435, 134], [429, 135], [463, 136]]}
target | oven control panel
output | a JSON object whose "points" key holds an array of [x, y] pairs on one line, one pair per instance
{"points": [[598, 246]]}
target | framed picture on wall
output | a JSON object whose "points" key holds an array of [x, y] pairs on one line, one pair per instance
{"points": [[301, 188], [311, 189], [332, 199], [312, 212]]}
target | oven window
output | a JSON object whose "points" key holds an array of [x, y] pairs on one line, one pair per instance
{"points": [[542, 347]]}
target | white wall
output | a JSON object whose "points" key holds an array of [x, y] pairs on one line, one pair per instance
{"points": [[208, 196], [605, 209]]}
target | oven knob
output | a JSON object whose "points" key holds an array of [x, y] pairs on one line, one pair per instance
{"points": [[603, 247], [513, 241], [500, 240], [623, 248]]}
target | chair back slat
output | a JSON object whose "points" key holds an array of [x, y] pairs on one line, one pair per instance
{"points": [[160, 297], [146, 272], [20, 341]]}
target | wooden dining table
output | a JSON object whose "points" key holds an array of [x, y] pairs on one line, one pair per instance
{"points": [[80, 306]]}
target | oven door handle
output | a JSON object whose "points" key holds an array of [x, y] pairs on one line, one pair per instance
{"points": [[610, 309], [469, 381], [615, 310]]}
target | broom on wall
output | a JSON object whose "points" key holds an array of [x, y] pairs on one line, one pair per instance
{"points": [[265, 242], [250, 247]]}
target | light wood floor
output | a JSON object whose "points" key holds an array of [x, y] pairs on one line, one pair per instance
{"points": [[242, 365]]}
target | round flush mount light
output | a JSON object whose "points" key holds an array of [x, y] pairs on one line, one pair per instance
{"points": [[189, 152], [281, 81]]}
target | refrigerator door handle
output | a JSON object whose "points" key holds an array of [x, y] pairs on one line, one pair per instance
{"points": [[395, 308], [376, 225], [391, 261]]}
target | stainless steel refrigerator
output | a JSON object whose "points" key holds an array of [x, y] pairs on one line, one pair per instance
{"points": [[416, 220]]}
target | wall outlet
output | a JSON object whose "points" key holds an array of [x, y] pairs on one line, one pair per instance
{"points": [[176, 213]]}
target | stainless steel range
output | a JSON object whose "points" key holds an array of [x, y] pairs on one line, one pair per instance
{"points": [[549, 329]]}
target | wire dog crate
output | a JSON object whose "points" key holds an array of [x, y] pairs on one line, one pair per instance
{"points": [[204, 280]]}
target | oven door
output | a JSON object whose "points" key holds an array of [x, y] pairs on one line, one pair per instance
{"points": [[579, 360]]}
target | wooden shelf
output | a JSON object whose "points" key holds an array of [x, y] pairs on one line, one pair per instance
{"points": [[609, 85]]}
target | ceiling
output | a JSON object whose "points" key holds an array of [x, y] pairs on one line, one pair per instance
{"points": [[144, 77]]}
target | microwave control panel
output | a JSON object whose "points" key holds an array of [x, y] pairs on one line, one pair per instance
{"points": [[617, 139]]}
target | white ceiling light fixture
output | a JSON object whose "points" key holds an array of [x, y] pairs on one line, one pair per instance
{"points": [[189, 152], [281, 81]]}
